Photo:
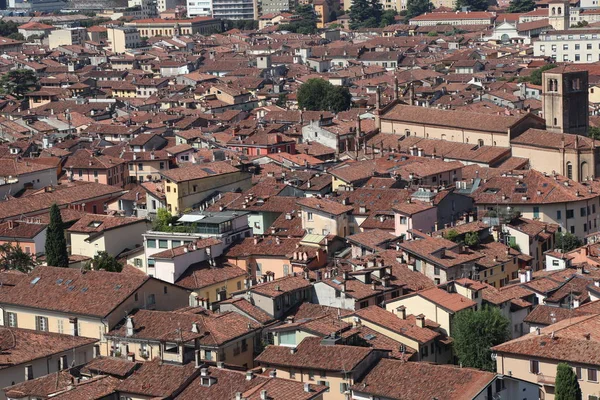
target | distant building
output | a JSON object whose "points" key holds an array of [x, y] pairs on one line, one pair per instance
{"points": [[235, 9]]}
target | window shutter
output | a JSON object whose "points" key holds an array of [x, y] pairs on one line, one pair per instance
{"points": [[37, 323]]}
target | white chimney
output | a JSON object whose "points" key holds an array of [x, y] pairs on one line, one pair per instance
{"points": [[129, 326]]}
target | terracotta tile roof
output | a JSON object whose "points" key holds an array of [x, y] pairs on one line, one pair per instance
{"points": [[534, 228], [86, 159], [404, 327], [20, 346], [453, 302], [269, 246], [198, 276], [97, 223], [431, 249], [60, 289], [548, 315], [455, 119], [156, 379], [324, 205], [95, 388], [213, 329], [117, 367], [310, 354], [569, 343], [552, 140], [61, 195], [199, 171], [20, 230], [249, 309], [506, 293], [279, 287], [374, 239], [42, 386], [393, 379]]}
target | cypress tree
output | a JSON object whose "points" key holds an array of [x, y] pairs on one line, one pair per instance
{"points": [[56, 244], [567, 387]]}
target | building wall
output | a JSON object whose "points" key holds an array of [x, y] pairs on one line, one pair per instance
{"points": [[423, 221], [44, 366], [571, 47], [324, 223], [38, 180], [113, 241], [417, 305], [181, 196]]}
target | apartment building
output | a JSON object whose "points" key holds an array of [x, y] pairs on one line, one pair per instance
{"points": [[83, 303], [152, 27], [454, 18], [189, 185], [235, 9], [66, 37], [199, 8], [578, 46], [122, 39], [324, 216], [535, 356], [149, 334]]}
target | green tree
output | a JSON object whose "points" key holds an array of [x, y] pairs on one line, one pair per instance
{"points": [[521, 6], [365, 14], [338, 99], [594, 132], [17, 36], [13, 257], [282, 100], [567, 242], [567, 386], [388, 17], [163, 221], [8, 27], [472, 239], [452, 235], [319, 95], [536, 76], [475, 332], [306, 25], [473, 5], [414, 8], [104, 261], [18, 82], [432, 33], [56, 244]]}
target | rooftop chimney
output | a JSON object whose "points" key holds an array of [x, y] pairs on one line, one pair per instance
{"points": [[129, 326], [401, 312], [421, 321]]}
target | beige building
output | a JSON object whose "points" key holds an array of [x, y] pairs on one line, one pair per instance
{"points": [[150, 334], [454, 126], [189, 185], [29, 354], [66, 37], [122, 39], [95, 233], [152, 27], [83, 303], [328, 364], [324, 216], [535, 356]]}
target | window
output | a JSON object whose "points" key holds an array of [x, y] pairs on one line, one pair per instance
{"points": [[570, 214], [151, 243], [208, 355], [536, 212], [28, 372], [582, 211], [151, 300], [323, 374], [311, 375], [309, 216], [558, 215], [61, 327], [578, 372], [163, 244], [292, 374], [592, 375], [534, 366], [287, 338], [572, 230], [41, 324], [569, 170], [436, 270], [593, 209], [343, 387], [165, 289], [364, 304], [11, 319]]}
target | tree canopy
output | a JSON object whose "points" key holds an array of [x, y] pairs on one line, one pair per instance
{"points": [[17, 82], [567, 386], [472, 5], [306, 24], [414, 8], [365, 14], [452, 235], [104, 261], [56, 243], [165, 222], [472, 239], [535, 77], [521, 6], [319, 95], [13, 257], [475, 332], [567, 241]]}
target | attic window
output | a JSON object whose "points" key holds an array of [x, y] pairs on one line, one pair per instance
{"points": [[491, 190], [117, 287], [94, 224], [521, 190], [35, 280]]}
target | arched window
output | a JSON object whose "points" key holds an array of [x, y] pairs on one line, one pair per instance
{"points": [[584, 171], [553, 10], [480, 142], [559, 10], [569, 170], [555, 121]]}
